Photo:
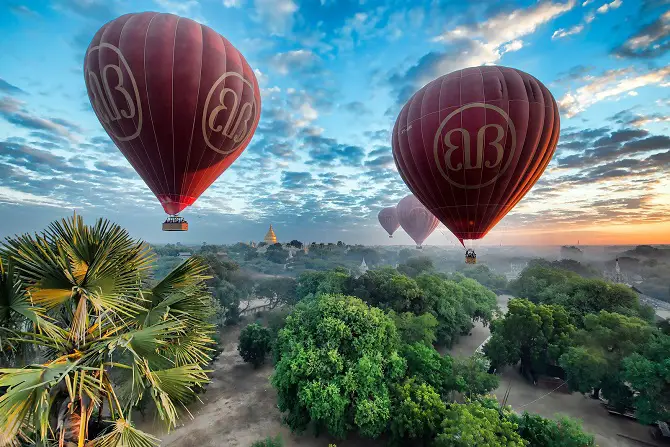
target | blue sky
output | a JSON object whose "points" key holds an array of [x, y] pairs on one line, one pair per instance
{"points": [[334, 74]]}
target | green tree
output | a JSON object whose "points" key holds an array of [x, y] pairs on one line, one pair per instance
{"points": [[426, 365], [417, 411], [413, 328], [311, 284], [472, 376], [279, 291], [472, 424], [336, 358], [541, 432], [254, 344], [648, 373], [595, 361], [387, 289], [536, 335], [484, 276], [447, 301], [108, 336], [276, 253], [415, 266]]}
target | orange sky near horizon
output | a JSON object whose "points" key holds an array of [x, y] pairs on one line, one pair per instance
{"points": [[621, 234]]}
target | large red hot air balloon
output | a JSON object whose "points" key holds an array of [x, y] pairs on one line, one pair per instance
{"points": [[472, 143], [177, 98], [388, 218], [415, 219]]}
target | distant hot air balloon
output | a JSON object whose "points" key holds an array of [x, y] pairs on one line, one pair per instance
{"points": [[180, 102], [472, 143], [388, 218], [415, 219]]}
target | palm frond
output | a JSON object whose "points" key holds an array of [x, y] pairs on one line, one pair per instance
{"points": [[174, 385], [27, 394], [123, 434], [187, 274], [193, 348]]}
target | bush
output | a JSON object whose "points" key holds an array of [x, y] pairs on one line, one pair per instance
{"points": [[255, 342], [269, 442], [417, 413], [473, 424], [541, 432]]}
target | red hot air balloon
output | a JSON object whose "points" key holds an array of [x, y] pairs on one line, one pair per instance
{"points": [[415, 219], [472, 143], [388, 218], [180, 102]]}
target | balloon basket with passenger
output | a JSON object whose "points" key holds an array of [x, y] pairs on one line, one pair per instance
{"points": [[470, 256], [175, 223]]}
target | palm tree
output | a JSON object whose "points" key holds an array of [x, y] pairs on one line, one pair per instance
{"points": [[102, 337]]}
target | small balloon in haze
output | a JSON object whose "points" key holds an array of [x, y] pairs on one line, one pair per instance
{"points": [[415, 219], [388, 218]]}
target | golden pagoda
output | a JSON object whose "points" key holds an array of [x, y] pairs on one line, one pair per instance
{"points": [[270, 237]]}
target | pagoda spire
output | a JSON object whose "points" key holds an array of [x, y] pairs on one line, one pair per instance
{"points": [[270, 236]]}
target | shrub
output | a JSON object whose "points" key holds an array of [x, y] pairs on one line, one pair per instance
{"points": [[269, 442], [254, 344]]}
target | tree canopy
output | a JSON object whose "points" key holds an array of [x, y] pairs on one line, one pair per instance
{"points": [[336, 358]]}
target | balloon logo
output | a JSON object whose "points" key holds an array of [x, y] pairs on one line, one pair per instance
{"points": [[453, 148], [179, 101], [105, 104]]}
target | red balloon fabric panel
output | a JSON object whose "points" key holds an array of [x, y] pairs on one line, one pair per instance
{"points": [[472, 143], [177, 98]]}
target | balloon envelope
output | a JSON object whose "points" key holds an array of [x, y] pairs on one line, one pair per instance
{"points": [[415, 219], [472, 143], [388, 218], [179, 101]]}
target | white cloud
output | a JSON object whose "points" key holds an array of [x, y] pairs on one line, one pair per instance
{"points": [[649, 38], [587, 2], [610, 85], [510, 26], [485, 42], [562, 32], [643, 121], [609, 6], [232, 3], [9, 195], [293, 60], [261, 77], [308, 112], [276, 15], [185, 8], [178, 6]]}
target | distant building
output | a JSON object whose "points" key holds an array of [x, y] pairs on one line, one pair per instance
{"points": [[184, 255], [616, 275], [270, 236], [363, 267]]}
